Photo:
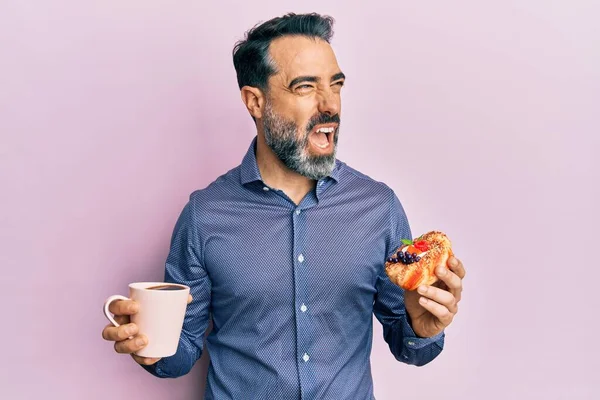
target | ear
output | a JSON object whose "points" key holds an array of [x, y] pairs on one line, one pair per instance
{"points": [[254, 100]]}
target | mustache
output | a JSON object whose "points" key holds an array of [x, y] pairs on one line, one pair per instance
{"points": [[322, 119]]}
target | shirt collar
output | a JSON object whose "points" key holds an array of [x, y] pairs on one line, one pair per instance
{"points": [[251, 173]]}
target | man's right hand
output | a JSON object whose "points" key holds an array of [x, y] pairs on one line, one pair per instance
{"points": [[126, 337]]}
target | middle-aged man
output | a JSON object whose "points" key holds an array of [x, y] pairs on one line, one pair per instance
{"points": [[286, 251]]}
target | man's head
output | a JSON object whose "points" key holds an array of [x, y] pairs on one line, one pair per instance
{"points": [[290, 82]]}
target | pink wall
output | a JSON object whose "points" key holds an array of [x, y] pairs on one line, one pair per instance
{"points": [[112, 112]]}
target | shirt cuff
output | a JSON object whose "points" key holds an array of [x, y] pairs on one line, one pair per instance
{"points": [[157, 369], [412, 341]]}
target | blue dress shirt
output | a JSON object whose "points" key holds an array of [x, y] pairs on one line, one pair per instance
{"points": [[291, 289]]}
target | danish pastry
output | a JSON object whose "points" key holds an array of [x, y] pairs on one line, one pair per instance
{"points": [[415, 261]]}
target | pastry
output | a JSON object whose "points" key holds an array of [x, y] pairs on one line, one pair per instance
{"points": [[414, 262]]}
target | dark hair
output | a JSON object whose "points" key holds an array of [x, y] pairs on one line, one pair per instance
{"points": [[251, 59]]}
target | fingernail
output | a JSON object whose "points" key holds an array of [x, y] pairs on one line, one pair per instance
{"points": [[442, 271], [133, 308], [423, 300], [422, 289], [130, 330], [453, 262], [140, 342]]}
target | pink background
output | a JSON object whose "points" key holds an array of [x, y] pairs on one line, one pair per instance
{"points": [[113, 112]]}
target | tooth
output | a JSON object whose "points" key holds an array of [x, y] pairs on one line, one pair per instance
{"points": [[325, 130]]}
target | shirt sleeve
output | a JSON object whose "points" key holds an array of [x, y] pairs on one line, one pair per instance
{"points": [[185, 265], [389, 307]]}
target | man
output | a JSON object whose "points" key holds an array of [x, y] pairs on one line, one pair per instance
{"points": [[286, 252]]}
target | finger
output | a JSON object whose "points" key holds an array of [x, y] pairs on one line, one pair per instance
{"points": [[190, 298], [440, 296], [123, 307], [119, 333], [122, 319], [132, 345], [452, 281], [457, 267], [145, 360], [438, 310]]}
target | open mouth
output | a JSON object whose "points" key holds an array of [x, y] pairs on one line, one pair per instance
{"points": [[321, 136]]}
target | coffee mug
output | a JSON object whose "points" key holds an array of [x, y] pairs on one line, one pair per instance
{"points": [[160, 315]]}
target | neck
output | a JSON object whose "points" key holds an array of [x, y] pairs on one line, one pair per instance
{"points": [[275, 174]]}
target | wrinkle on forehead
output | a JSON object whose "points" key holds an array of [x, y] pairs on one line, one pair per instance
{"points": [[299, 55]]}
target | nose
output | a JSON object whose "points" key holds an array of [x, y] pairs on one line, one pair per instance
{"points": [[329, 103]]}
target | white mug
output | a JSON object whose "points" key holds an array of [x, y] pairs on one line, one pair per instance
{"points": [[160, 315]]}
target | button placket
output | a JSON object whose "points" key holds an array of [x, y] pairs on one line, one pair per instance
{"points": [[304, 328]]}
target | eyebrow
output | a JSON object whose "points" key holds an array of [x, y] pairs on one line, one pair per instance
{"points": [[307, 78], [338, 76]]}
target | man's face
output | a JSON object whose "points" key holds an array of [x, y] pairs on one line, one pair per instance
{"points": [[302, 109]]}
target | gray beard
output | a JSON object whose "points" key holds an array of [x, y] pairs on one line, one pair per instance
{"points": [[281, 136]]}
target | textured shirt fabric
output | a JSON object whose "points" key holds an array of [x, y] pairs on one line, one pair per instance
{"points": [[291, 289]]}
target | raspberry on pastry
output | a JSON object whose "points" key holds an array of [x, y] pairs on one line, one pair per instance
{"points": [[414, 262]]}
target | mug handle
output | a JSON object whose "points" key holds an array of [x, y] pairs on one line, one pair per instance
{"points": [[107, 313]]}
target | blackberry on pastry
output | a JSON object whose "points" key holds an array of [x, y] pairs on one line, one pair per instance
{"points": [[414, 262]]}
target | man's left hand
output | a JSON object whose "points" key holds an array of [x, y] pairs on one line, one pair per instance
{"points": [[432, 308]]}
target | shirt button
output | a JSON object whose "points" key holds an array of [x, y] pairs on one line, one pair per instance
{"points": [[411, 343], [303, 307], [297, 211], [301, 258], [305, 357], [266, 189]]}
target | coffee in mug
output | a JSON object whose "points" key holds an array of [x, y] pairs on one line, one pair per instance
{"points": [[160, 315], [166, 287]]}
